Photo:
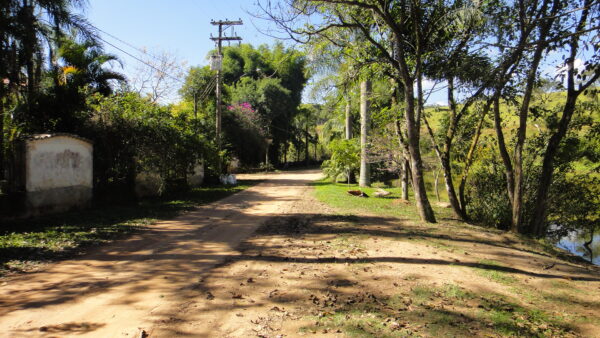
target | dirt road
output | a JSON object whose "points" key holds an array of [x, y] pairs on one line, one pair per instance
{"points": [[138, 283]]}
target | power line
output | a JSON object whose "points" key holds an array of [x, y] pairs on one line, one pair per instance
{"points": [[128, 44], [141, 50], [142, 61], [206, 91]]}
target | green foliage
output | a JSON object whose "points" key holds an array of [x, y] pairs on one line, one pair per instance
{"points": [[345, 158], [574, 204], [486, 194], [132, 135], [270, 80]]}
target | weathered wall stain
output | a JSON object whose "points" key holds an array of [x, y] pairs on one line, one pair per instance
{"points": [[58, 173]]}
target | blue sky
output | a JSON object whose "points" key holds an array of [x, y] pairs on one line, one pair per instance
{"points": [[181, 27]]}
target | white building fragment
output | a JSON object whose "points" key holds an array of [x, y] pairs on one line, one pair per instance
{"points": [[56, 173]]}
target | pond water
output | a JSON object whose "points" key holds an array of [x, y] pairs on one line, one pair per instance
{"points": [[574, 244]]}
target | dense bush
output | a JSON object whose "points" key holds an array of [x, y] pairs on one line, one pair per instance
{"points": [[345, 158], [132, 135], [486, 194]]}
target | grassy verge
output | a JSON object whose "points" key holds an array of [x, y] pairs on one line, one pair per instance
{"points": [[27, 243], [335, 194], [509, 305], [433, 310]]}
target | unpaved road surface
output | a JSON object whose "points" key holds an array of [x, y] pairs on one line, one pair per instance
{"points": [[139, 283]]}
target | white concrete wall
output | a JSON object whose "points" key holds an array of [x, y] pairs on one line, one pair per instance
{"points": [[58, 174], [58, 162]]}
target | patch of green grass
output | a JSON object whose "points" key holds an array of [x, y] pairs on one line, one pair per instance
{"points": [[422, 292], [364, 321], [335, 194], [447, 291], [510, 319], [558, 284], [456, 292], [28, 242], [487, 269]]}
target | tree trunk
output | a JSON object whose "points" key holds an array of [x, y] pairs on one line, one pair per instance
{"points": [[267, 158], [508, 169], [436, 177], [351, 176], [404, 166], [444, 158], [306, 154], [540, 212], [365, 172], [517, 206], [469, 159], [348, 122], [412, 127], [405, 174], [416, 163]]}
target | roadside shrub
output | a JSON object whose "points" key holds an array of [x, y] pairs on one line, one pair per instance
{"points": [[345, 158], [131, 136]]}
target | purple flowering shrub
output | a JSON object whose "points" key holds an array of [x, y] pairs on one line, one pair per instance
{"points": [[249, 118]]}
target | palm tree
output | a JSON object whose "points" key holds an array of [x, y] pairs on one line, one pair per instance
{"points": [[84, 66], [25, 27]]}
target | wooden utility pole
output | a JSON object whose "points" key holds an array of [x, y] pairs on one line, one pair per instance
{"points": [[223, 24]]}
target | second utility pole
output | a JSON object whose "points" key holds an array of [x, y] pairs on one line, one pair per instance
{"points": [[219, 39]]}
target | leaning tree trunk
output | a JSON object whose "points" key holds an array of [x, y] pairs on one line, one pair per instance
{"points": [[404, 161], [469, 159], [416, 163], [365, 170], [436, 177], [412, 124], [444, 158]]}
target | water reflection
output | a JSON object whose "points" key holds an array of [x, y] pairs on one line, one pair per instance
{"points": [[574, 243]]}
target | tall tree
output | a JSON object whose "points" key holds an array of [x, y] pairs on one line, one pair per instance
{"points": [[365, 168], [393, 36], [588, 77]]}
